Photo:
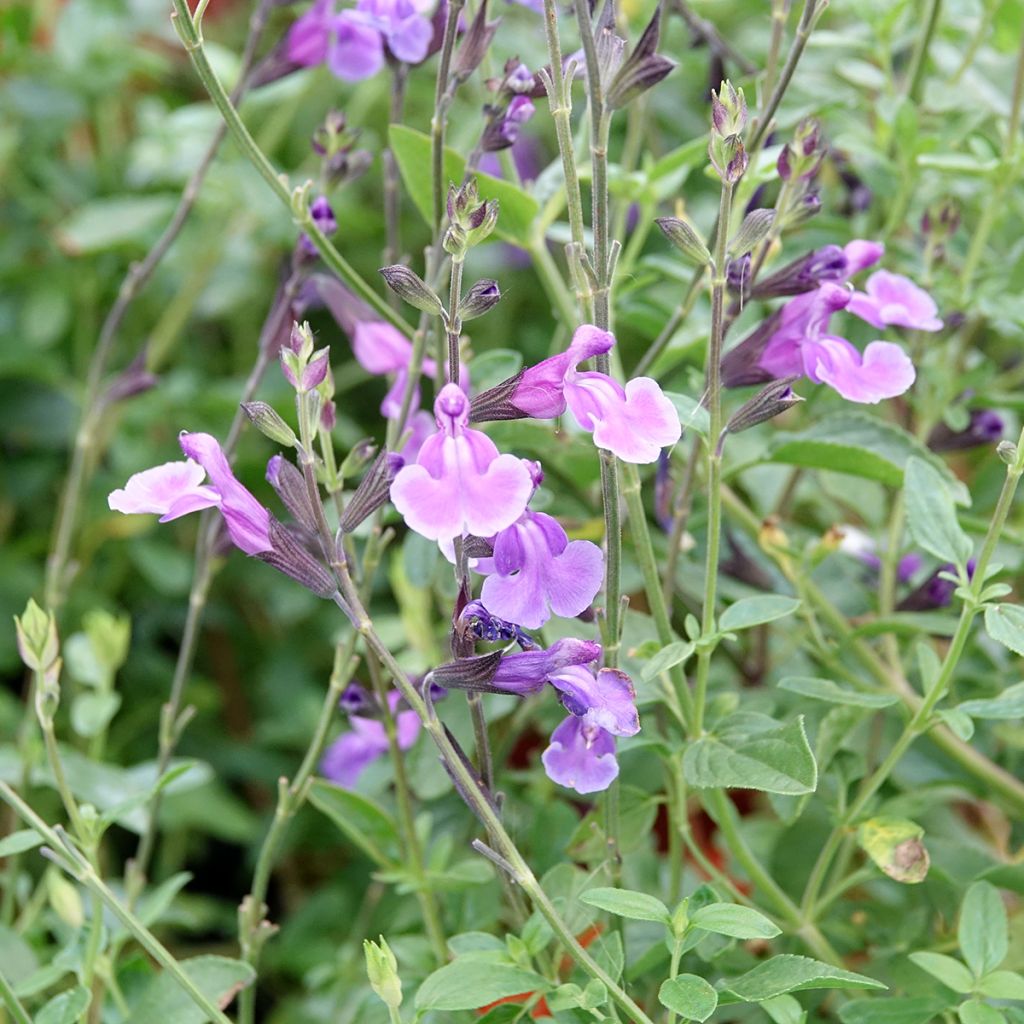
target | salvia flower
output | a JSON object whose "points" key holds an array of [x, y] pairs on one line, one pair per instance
{"points": [[934, 592], [538, 572], [607, 700], [581, 756], [522, 673], [460, 483], [503, 129], [323, 217], [381, 349], [891, 299], [985, 426], [633, 422], [354, 751]]}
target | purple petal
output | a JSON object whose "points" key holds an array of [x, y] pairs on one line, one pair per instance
{"points": [[528, 671], [171, 490], [380, 348], [896, 300], [352, 752], [309, 36], [861, 254], [884, 370], [357, 49], [248, 522], [609, 701], [581, 757]]}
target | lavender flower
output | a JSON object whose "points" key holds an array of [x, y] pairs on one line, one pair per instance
{"points": [[503, 130], [581, 756], [891, 299], [633, 422], [381, 349], [323, 217], [537, 571], [607, 701], [460, 483], [349, 755]]}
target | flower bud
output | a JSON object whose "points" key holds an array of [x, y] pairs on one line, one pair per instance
{"points": [[642, 69], [684, 237], [803, 274], [287, 555], [475, 43], [267, 421], [373, 490], [728, 111], [411, 288], [382, 970], [1007, 451], [754, 230], [473, 673], [291, 488], [770, 401], [480, 299], [37, 637]]}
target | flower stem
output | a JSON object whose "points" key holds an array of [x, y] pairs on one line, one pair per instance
{"points": [[392, 194], [714, 457], [18, 1012]]}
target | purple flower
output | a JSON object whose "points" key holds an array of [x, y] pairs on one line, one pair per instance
{"points": [[526, 672], [538, 571], [798, 344], [460, 483], [896, 300], [169, 491], [607, 701], [935, 592], [985, 426], [581, 756], [504, 130], [633, 422], [403, 25], [323, 217], [247, 521], [381, 349], [349, 755]]}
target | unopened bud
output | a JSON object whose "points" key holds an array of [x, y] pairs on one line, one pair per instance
{"points": [[382, 970], [373, 490], [267, 421], [728, 111], [473, 673], [291, 488], [287, 555], [411, 288], [754, 230], [37, 637], [1007, 451], [682, 234], [772, 400], [480, 299]]}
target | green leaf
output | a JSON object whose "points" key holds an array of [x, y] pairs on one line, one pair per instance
{"points": [[1009, 704], [735, 921], [217, 977], [466, 984], [982, 932], [753, 611], [776, 761], [65, 1008], [946, 969], [931, 514], [106, 223], [91, 712], [894, 844], [974, 1011], [1005, 624], [784, 1009], [859, 445], [366, 825], [668, 657], [19, 842], [826, 690], [690, 996], [692, 413], [791, 973], [517, 209], [901, 1010], [1002, 985], [637, 906]]}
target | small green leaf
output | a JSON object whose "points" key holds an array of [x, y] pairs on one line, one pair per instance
{"points": [[668, 657], [901, 1010], [217, 977], [1005, 624], [517, 209], [753, 611], [65, 1008], [982, 932], [466, 984], [790, 973], [110, 222], [366, 825], [1002, 985], [826, 690], [735, 921], [784, 1009], [637, 906], [931, 514], [974, 1011], [690, 996], [1009, 704], [946, 969], [776, 761], [19, 842], [91, 712], [894, 844]]}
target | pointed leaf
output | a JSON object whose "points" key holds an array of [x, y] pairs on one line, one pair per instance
{"points": [[982, 931], [466, 984], [825, 689], [637, 906], [931, 514], [791, 973], [753, 611]]}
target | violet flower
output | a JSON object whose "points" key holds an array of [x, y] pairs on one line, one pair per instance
{"points": [[538, 571], [891, 299], [985, 426], [633, 422], [607, 701], [934, 592], [381, 349], [172, 490], [352, 43], [581, 756], [352, 752], [527, 672], [460, 483], [323, 217]]}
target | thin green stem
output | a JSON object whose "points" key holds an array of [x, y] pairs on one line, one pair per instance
{"points": [[439, 121], [18, 1012], [919, 60], [392, 193]]}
